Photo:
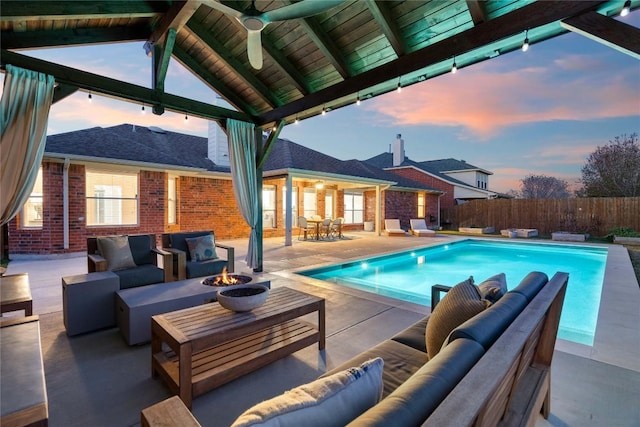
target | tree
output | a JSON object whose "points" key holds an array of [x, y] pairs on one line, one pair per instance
{"points": [[613, 170], [544, 187]]}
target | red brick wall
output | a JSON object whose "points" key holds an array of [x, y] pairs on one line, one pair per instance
{"points": [[446, 201], [400, 205]]}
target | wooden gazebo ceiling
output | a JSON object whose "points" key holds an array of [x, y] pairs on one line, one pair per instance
{"points": [[360, 48]]}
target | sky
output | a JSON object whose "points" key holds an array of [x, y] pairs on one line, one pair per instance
{"points": [[537, 112]]}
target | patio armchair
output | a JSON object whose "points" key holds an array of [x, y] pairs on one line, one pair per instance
{"points": [[194, 254], [325, 228], [134, 259], [305, 228], [336, 228], [392, 228], [419, 228]]}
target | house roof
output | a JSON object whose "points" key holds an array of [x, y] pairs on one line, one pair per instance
{"points": [[139, 144], [385, 161], [452, 165], [312, 61]]}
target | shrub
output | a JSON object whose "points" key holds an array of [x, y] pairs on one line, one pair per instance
{"points": [[622, 232]]}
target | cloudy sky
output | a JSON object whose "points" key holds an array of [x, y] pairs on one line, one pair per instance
{"points": [[539, 112]]}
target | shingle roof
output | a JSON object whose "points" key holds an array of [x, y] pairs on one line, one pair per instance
{"points": [[450, 165], [129, 142]]}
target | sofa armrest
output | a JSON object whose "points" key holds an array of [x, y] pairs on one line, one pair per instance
{"points": [[167, 263], [435, 294], [178, 263], [230, 256], [96, 263]]}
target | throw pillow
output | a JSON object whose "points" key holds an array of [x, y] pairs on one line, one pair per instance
{"points": [[202, 248], [329, 401], [460, 304], [493, 288], [116, 250]]}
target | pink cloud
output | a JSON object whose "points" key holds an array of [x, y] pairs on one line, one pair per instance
{"points": [[483, 100]]}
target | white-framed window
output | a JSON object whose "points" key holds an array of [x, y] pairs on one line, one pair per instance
{"points": [[112, 197], [32, 210], [421, 205], [482, 180], [309, 202], [353, 208], [269, 206], [172, 200], [329, 203], [294, 205]]}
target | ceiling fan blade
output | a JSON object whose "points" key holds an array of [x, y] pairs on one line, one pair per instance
{"points": [[254, 49], [299, 10], [213, 4]]}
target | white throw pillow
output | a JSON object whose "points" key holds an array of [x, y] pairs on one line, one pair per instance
{"points": [[329, 401]]}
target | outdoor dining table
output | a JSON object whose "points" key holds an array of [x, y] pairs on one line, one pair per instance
{"points": [[317, 222]]}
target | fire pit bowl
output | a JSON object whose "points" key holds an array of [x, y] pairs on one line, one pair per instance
{"points": [[223, 280], [243, 297]]}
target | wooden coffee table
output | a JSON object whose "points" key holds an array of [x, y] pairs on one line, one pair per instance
{"points": [[198, 349], [15, 294]]}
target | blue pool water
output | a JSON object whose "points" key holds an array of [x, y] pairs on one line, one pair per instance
{"points": [[409, 275]]}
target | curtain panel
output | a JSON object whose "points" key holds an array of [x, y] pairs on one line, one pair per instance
{"points": [[26, 101], [242, 159]]}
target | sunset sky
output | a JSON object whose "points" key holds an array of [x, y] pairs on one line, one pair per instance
{"points": [[539, 112]]}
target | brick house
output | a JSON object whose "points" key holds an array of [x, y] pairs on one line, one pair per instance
{"points": [[128, 179]]}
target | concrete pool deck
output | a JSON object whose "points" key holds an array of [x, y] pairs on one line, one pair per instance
{"points": [[591, 385]]}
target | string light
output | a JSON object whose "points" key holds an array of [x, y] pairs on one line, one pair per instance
{"points": [[454, 67], [90, 97], [297, 121], [399, 89], [358, 99], [525, 45], [143, 111], [626, 8], [186, 118], [324, 111]]}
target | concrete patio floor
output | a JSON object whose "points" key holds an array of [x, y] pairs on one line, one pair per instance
{"points": [[591, 385]]}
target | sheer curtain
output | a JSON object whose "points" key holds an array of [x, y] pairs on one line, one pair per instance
{"points": [[26, 100], [242, 158]]}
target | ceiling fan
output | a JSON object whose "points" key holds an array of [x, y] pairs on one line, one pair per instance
{"points": [[255, 21]]}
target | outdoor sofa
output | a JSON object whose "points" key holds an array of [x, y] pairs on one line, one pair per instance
{"points": [[187, 263], [492, 369]]}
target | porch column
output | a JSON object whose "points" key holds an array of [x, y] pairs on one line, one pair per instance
{"points": [[288, 219], [378, 217]]}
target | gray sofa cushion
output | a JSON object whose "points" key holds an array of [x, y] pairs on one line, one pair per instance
{"points": [[413, 401], [140, 276], [178, 240], [531, 284], [141, 249], [400, 362], [486, 327], [205, 268], [413, 336]]}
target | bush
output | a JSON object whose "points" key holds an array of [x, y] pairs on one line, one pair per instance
{"points": [[622, 232]]}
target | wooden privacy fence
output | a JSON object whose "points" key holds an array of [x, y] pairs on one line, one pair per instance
{"points": [[593, 215]]}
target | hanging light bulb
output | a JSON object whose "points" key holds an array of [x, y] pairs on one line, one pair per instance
{"points": [[626, 8], [142, 111], [358, 99], [186, 118], [525, 45], [324, 111], [399, 88], [90, 97], [454, 67], [297, 121]]}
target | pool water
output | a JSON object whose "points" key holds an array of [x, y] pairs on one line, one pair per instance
{"points": [[409, 275]]}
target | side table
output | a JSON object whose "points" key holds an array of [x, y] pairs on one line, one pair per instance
{"points": [[15, 294], [89, 301]]}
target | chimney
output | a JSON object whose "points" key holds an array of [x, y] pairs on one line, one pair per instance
{"points": [[398, 150], [217, 146]]}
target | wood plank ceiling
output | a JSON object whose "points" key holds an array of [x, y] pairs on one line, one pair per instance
{"points": [[355, 50]]}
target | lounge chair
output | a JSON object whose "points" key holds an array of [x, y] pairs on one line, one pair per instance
{"points": [[419, 228], [392, 228]]}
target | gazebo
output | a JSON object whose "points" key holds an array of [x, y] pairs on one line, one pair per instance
{"points": [[275, 62]]}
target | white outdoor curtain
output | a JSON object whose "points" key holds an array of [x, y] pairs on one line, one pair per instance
{"points": [[26, 100], [242, 158]]}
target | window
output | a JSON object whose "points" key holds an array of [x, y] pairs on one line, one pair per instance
{"points": [[294, 205], [172, 198], [421, 205], [481, 180], [328, 204], [32, 210], [353, 208], [112, 198], [309, 202], [269, 206]]}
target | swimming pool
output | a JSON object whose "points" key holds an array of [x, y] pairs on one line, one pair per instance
{"points": [[409, 275]]}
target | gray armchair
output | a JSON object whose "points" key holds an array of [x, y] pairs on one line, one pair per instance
{"points": [[144, 271], [184, 267]]}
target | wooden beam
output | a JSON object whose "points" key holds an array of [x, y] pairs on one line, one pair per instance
{"points": [[531, 16], [163, 65], [175, 18], [83, 10], [269, 144], [605, 30], [477, 10], [119, 89], [241, 71], [70, 37], [326, 46], [387, 23], [61, 91]]}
